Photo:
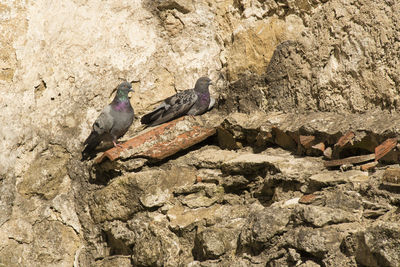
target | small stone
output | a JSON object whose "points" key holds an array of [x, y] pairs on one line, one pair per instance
{"points": [[319, 147], [307, 199], [118, 260], [211, 243], [321, 216], [183, 6], [328, 153], [293, 255], [198, 200], [391, 177], [155, 198], [291, 202], [309, 263]]}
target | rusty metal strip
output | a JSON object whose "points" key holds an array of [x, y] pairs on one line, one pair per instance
{"points": [[385, 147], [349, 160]]}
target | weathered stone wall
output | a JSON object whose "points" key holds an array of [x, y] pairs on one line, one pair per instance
{"points": [[61, 60]]}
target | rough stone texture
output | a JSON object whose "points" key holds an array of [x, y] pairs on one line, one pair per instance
{"points": [[231, 200]]}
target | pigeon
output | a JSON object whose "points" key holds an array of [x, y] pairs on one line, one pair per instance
{"points": [[113, 122], [192, 102]]}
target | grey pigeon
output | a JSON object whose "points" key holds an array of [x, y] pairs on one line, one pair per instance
{"points": [[194, 101], [113, 122]]}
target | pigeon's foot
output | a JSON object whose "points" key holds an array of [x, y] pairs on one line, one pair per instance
{"points": [[117, 145]]}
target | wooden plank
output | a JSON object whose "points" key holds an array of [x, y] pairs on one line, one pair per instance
{"points": [[385, 147], [349, 160]]}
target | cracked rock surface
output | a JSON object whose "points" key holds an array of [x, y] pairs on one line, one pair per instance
{"points": [[291, 79]]}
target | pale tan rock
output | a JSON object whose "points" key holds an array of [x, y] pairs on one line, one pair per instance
{"points": [[123, 261], [127, 194], [46, 177], [53, 242], [336, 177], [119, 200], [278, 161], [59, 64], [321, 216], [213, 243]]}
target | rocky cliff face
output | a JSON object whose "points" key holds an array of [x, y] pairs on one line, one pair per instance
{"points": [[258, 191]]}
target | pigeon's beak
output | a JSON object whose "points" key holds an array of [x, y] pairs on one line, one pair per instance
{"points": [[131, 90], [210, 83]]}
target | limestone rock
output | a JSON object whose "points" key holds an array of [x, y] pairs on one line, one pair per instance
{"points": [[120, 238], [46, 177], [262, 226], [381, 240], [54, 242], [317, 242], [182, 218], [119, 200], [181, 6], [319, 68], [128, 194], [280, 162], [213, 243], [391, 177], [123, 261], [321, 216], [324, 179], [7, 196], [155, 246]]}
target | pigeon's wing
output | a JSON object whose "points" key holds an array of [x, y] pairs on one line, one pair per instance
{"points": [[101, 126], [122, 122], [104, 122], [172, 107], [179, 104], [155, 114]]}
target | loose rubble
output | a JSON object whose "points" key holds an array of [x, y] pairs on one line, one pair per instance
{"points": [[255, 204], [297, 165]]}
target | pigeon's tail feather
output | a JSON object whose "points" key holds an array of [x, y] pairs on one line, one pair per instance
{"points": [[91, 143], [91, 138], [151, 117]]}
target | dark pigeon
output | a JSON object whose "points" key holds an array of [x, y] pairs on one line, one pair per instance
{"points": [[189, 102], [113, 122]]}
